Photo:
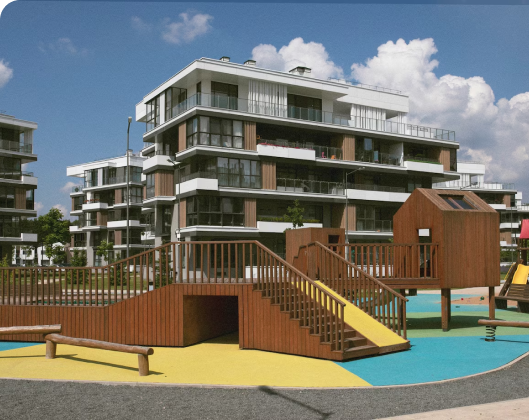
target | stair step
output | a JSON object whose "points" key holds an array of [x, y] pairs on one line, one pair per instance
{"points": [[359, 351]]}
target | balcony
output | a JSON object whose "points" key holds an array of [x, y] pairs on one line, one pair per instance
{"points": [[374, 226], [378, 158], [94, 204], [474, 185], [16, 175], [422, 164], [302, 150], [158, 161], [77, 189], [306, 114], [309, 186], [14, 146]]}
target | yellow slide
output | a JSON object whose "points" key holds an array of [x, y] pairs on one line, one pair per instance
{"points": [[369, 327], [520, 277]]}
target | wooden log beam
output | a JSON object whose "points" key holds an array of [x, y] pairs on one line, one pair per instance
{"points": [[33, 329], [143, 352], [498, 323]]}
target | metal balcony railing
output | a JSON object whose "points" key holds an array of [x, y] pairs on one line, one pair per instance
{"points": [[374, 225], [368, 187], [475, 185], [14, 146], [380, 158], [309, 186], [421, 159]]}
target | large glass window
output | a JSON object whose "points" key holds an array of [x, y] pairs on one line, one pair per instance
{"points": [[79, 240], [78, 203], [173, 102], [153, 113], [30, 199], [10, 168], [91, 219], [239, 173], [7, 197], [224, 95], [371, 218], [150, 186], [215, 211], [167, 218], [304, 107], [91, 178], [135, 237], [10, 226], [214, 132]]}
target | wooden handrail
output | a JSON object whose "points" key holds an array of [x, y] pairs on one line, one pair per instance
{"points": [[32, 329], [499, 323], [143, 352]]}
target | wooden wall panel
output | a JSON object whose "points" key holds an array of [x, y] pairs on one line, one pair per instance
{"points": [[250, 136], [348, 147], [101, 218], [118, 196], [183, 209], [117, 237], [164, 183], [506, 237], [182, 137], [20, 198], [250, 212], [507, 200], [444, 158], [304, 236], [73, 204], [268, 175]]}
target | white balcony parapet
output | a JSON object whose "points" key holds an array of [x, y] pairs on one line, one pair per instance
{"points": [[280, 227], [30, 180], [28, 237], [498, 206], [123, 224], [157, 162], [198, 184], [285, 152], [393, 197], [95, 206], [423, 167]]}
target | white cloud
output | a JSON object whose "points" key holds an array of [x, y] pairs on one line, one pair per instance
{"points": [[62, 208], [63, 46], [67, 188], [494, 132], [38, 206], [297, 53], [6, 73], [187, 28], [140, 25]]}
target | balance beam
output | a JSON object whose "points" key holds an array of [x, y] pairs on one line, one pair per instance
{"points": [[497, 323], [34, 329], [143, 352]]}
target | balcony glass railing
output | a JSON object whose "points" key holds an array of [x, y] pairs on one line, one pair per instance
{"points": [[476, 185], [14, 146], [307, 114], [13, 174], [195, 175], [421, 159], [374, 225], [322, 152], [380, 158], [149, 192], [77, 188], [309, 186], [367, 187]]}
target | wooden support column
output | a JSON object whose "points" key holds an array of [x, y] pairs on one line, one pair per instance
{"points": [[445, 308], [492, 303]]}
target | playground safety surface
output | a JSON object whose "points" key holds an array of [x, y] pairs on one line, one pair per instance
{"points": [[434, 356]]}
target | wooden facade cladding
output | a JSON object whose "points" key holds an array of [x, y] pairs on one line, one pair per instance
{"points": [[182, 137], [183, 213], [506, 237], [101, 218], [250, 212], [348, 147], [338, 219], [444, 158], [250, 135], [507, 200], [20, 198], [73, 204], [469, 240], [268, 174], [118, 196], [117, 237], [158, 318], [164, 183]]}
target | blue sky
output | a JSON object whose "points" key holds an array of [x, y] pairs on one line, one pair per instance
{"points": [[79, 68]]}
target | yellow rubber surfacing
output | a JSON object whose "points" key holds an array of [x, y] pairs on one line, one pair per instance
{"points": [[215, 362], [365, 325]]}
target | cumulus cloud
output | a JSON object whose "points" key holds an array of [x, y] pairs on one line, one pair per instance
{"points": [[494, 132], [67, 188], [38, 206], [297, 53], [6, 73], [62, 208], [140, 25], [187, 28], [62, 46]]}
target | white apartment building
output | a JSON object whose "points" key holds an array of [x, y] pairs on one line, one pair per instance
{"points": [[100, 203], [17, 186], [230, 146]]}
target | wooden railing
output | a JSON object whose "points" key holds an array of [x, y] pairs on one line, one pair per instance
{"points": [[234, 262], [392, 261], [355, 285]]}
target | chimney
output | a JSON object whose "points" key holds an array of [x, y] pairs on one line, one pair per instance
{"points": [[250, 63], [301, 71], [225, 59]]}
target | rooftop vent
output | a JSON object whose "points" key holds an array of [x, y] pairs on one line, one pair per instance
{"points": [[301, 71], [250, 63], [226, 59]]}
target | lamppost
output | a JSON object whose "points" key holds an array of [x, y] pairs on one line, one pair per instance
{"points": [[347, 212], [128, 190], [175, 166]]}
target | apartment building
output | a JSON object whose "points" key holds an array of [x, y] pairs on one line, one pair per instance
{"points": [[100, 204], [229, 147], [17, 186]]}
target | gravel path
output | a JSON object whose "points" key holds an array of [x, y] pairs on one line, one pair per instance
{"points": [[33, 399]]}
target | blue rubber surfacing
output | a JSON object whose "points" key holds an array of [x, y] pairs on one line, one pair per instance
{"points": [[11, 345]]}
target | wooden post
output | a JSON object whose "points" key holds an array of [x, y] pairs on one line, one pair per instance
{"points": [[445, 308], [492, 303], [51, 349], [143, 364]]}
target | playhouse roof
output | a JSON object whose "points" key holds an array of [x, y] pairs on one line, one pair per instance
{"points": [[450, 200]]}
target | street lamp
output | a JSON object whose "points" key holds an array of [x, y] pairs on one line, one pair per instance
{"points": [[347, 211], [128, 190], [175, 166]]}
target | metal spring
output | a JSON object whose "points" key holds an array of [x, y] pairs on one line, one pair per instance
{"points": [[491, 333]]}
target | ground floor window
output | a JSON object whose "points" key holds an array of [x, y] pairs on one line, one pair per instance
{"points": [[215, 211]]}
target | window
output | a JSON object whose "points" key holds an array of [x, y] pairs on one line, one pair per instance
{"points": [[150, 186], [78, 202], [121, 214], [457, 202], [269, 211], [209, 131], [371, 218], [167, 218], [153, 113], [10, 168], [304, 107], [7, 197], [30, 199], [91, 178], [135, 237], [10, 226], [91, 219], [173, 102], [239, 173], [215, 211], [224, 95], [418, 182], [79, 240]]}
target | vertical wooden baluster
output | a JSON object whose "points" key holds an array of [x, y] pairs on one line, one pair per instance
{"points": [[393, 312], [230, 274], [141, 268], [236, 251], [405, 332]]}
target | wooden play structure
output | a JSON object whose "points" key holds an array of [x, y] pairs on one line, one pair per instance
{"points": [[50, 334]]}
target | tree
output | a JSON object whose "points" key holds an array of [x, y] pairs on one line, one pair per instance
{"points": [[79, 258], [295, 215], [56, 253], [104, 249]]}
